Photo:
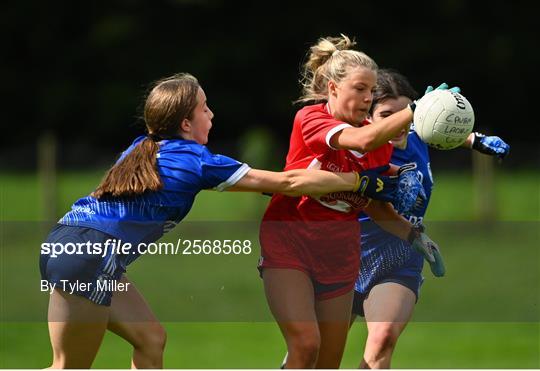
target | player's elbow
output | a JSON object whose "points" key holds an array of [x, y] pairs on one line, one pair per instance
{"points": [[365, 142], [363, 139]]}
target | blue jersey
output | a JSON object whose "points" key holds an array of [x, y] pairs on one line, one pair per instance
{"points": [[382, 253], [185, 168]]}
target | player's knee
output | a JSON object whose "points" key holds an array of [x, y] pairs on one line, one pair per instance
{"points": [[305, 350], [383, 338], [309, 346], [152, 340], [158, 338]]}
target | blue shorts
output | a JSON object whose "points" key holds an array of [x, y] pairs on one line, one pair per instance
{"points": [[89, 275], [411, 282]]}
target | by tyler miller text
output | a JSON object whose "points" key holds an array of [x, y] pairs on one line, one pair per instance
{"points": [[80, 286]]}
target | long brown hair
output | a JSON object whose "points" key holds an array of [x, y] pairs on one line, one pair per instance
{"points": [[170, 101]]}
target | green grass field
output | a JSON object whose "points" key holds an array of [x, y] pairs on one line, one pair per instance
{"points": [[472, 318]]}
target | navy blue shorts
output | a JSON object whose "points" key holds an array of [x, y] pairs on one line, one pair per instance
{"points": [[410, 282], [92, 276]]}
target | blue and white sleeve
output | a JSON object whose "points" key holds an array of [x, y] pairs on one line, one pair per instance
{"points": [[221, 172]]}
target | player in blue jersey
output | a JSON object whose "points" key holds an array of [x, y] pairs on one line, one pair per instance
{"points": [[150, 189], [390, 275]]}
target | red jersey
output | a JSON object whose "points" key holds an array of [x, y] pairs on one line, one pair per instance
{"points": [[322, 233]]}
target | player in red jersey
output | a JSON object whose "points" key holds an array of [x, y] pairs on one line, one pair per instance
{"points": [[310, 258]]}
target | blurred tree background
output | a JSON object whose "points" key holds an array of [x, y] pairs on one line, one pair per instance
{"points": [[81, 69]]}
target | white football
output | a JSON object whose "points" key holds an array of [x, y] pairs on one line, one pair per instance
{"points": [[443, 119]]}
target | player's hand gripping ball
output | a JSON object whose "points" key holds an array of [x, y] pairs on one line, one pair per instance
{"points": [[443, 86], [443, 118]]}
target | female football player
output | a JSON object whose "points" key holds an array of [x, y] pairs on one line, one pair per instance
{"points": [[390, 276], [150, 189], [310, 258]]}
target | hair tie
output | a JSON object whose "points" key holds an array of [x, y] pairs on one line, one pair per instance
{"points": [[159, 138], [155, 137]]}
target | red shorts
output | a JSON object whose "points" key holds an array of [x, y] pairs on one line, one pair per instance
{"points": [[328, 252]]}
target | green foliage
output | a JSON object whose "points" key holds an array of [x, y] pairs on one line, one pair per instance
{"points": [[517, 196], [258, 148]]}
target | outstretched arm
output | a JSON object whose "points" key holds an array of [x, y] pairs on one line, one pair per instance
{"points": [[372, 136], [296, 182], [489, 145]]}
